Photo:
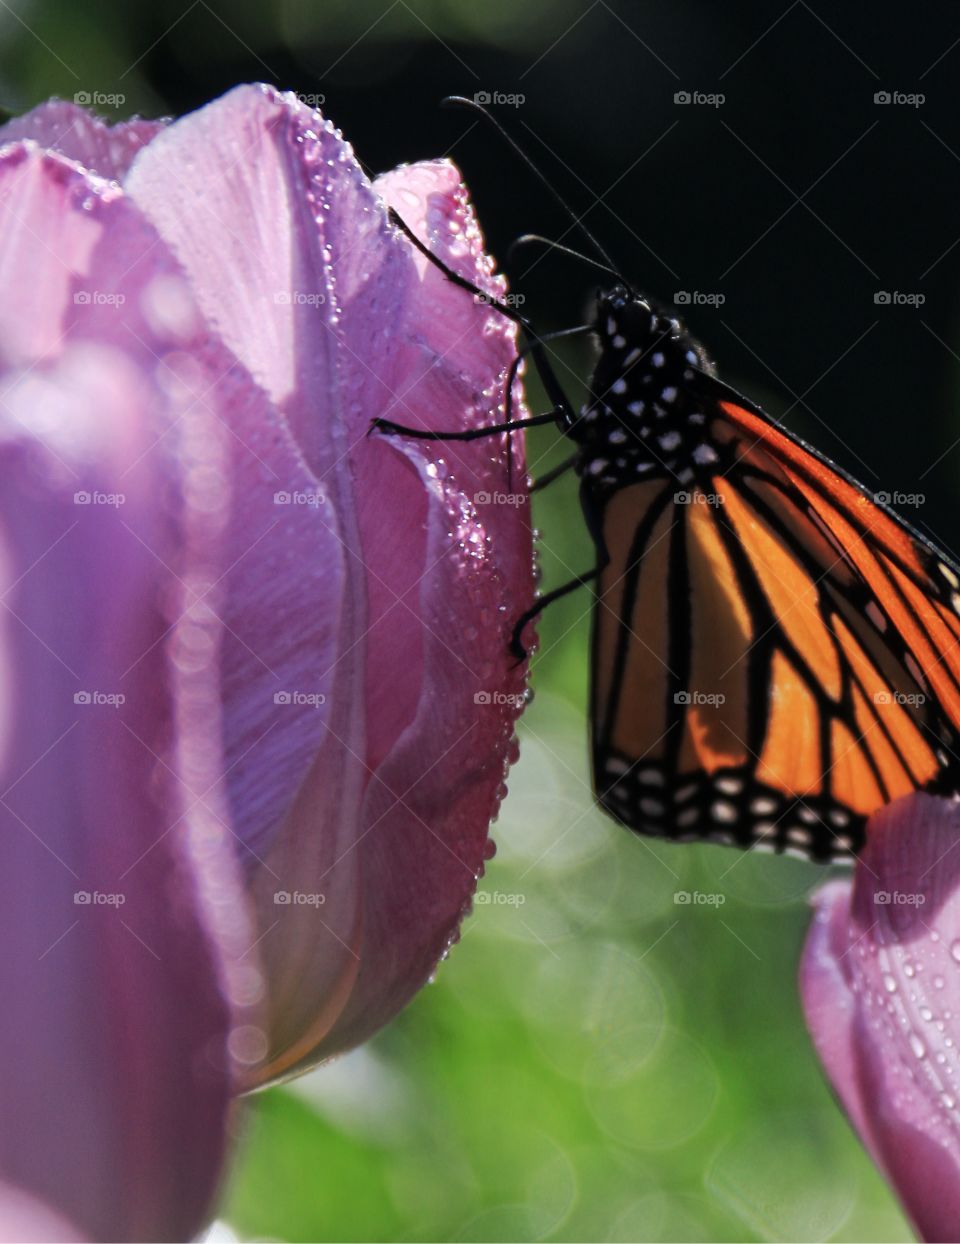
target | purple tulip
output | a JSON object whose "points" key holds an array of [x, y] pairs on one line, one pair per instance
{"points": [[258, 700], [880, 981]]}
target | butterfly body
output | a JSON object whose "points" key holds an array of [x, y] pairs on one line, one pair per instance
{"points": [[643, 417]]}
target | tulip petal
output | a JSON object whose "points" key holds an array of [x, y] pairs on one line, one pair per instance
{"points": [[25, 1220], [59, 125], [121, 912], [341, 320], [880, 981], [425, 826]]}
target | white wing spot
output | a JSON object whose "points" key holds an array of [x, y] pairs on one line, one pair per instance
{"points": [[723, 811]]}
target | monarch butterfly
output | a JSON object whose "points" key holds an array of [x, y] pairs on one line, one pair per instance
{"points": [[776, 653]]}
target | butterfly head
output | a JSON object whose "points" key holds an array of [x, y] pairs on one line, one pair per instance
{"points": [[629, 321]]}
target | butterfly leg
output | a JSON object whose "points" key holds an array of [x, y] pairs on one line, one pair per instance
{"points": [[516, 641], [522, 353], [389, 428], [548, 376], [556, 473]]}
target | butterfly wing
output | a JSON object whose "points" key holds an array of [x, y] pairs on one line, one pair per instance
{"points": [[776, 655]]}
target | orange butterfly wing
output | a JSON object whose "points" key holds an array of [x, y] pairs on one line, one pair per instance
{"points": [[776, 655]]}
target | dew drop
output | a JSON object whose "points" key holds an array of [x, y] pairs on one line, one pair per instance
{"points": [[955, 950], [889, 983], [938, 982], [919, 1049]]}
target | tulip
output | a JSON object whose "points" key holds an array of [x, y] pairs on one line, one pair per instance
{"points": [[880, 982], [259, 704]]}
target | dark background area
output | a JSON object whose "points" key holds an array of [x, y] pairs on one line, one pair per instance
{"points": [[797, 199]]}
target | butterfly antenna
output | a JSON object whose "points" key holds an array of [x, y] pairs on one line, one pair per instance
{"points": [[458, 101], [528, 239]]}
